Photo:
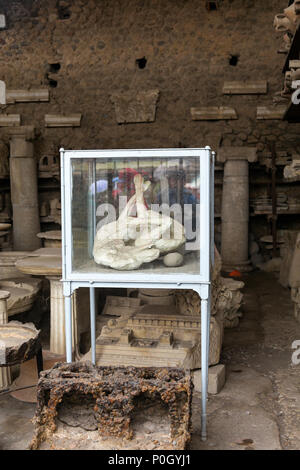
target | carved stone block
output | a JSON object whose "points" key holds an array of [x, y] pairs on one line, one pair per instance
{"points": [[216, 379], [157, 336], [135, 107]]}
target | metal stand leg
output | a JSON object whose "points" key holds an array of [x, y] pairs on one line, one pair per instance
{"points": [[204, 362], [39, 361], [93, 323], [68, 327], [208, 332]]}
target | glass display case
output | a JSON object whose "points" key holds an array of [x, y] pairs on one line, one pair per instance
{"points": [[138, 215]]}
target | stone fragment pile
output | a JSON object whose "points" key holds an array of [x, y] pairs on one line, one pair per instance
{"points": [[107, 399]]}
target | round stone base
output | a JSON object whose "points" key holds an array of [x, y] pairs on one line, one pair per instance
{"points": [[245, 267]]}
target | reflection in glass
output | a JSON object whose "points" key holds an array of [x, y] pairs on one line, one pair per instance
{"points": [[136, 214]]}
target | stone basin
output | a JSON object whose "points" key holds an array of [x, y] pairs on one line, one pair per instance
{"points": [[21, 342], [23, 292], [51, 239], [8, 261]]}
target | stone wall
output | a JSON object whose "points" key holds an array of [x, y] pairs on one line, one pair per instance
{"points": [[85, 51], [187, 49]]}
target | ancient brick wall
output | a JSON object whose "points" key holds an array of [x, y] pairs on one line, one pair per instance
{"points": [[86, 50], [187, 48]]}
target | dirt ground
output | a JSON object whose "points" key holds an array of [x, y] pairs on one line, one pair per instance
{"points": [[259, 407]]}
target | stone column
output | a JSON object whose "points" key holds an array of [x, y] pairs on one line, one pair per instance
{"points": [[24, 193], [235, 206], [57, 319], [5, 375]]}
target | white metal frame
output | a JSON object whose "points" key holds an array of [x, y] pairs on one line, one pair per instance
{"points": [[197, 282]]}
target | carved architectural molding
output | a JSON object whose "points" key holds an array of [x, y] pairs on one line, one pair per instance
{"points": [[2, 92], [27, 96], [10, 120], [135, 107], [213, 113], [60, 120]]}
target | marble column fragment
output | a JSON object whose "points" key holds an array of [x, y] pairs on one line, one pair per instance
{"points": [[57, 321], [24, 193], [235, 206]]}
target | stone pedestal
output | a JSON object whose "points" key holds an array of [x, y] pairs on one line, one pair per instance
{"points": [[8, 261], [57, 320], [5, 375], [24, 194], [157, 296], [235, 206], [50, 239], [47, 262]]}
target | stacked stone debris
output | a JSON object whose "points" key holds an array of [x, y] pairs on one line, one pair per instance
{"points": [[112, 394]]}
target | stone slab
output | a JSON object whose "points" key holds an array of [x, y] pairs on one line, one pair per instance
{"points": [[27, 96], [271, 112], [216, 379], [245, 88], [213, 113], [2, 22], [46, 252], [59, 120], [2, 91], [40, 265], [10, 120]]}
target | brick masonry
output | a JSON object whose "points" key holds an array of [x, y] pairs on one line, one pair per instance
{"points": [[187, 49]]}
